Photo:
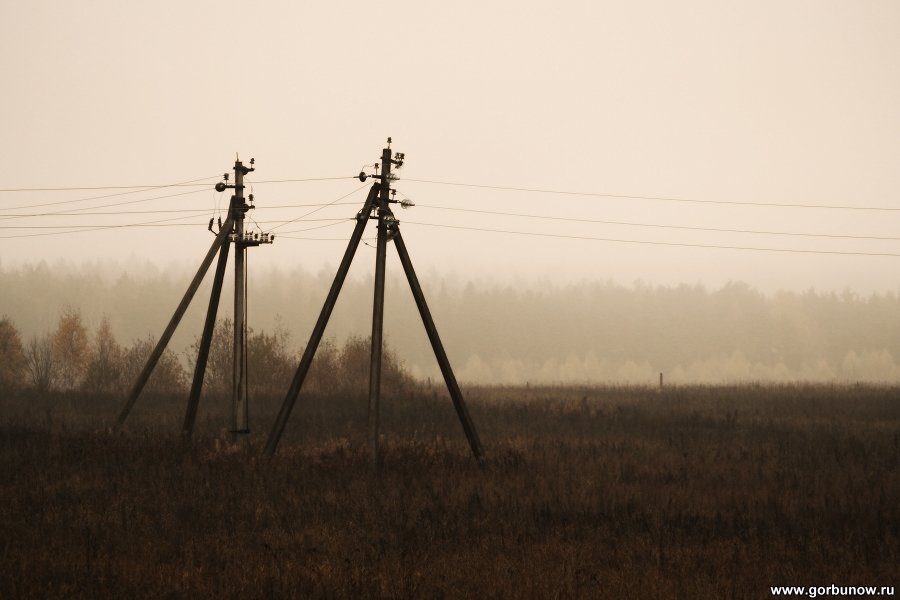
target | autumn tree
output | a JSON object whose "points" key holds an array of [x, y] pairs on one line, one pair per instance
{"points": [[269, 363], [71, 348], [217, 379], [323, 372], [12, 357], [351, 369], [168, 376], [104, 365]]}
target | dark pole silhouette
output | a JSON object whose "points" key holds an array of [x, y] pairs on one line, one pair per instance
{"points": [[221, 238], [362, 218], [230, 231], [205, 341], [439, 353], [240, 414], [388, 229], [377, 341]]}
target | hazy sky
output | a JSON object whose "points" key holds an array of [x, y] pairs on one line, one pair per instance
{"points": [[786, 102]]}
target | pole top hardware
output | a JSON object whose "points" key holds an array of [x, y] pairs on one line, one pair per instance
{"points": [[223, 185], [239, 165], [254, 238]]}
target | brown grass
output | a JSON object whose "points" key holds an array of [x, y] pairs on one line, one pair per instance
{"points": [[614, 492]]}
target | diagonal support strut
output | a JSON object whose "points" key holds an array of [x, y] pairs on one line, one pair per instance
{"points": [[221, 239], [362, 219], [439, 353], [205, 342]]}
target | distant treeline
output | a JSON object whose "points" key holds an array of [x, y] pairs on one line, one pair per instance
{"points": [[71, 358], [494, 333]]}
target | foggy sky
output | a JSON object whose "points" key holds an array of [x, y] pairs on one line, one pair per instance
{"points": [[766, 102]]}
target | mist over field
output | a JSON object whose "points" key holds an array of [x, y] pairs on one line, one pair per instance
{"points": [[590, 332]]}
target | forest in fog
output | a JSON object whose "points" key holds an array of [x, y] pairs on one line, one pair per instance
{"points": [[591, 332]]}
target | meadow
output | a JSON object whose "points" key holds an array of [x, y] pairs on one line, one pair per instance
{"points": [[611, 492]]}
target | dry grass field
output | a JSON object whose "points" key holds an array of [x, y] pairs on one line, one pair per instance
{"points": [[689, 492]]}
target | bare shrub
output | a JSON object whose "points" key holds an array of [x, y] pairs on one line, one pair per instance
{"points": [[41, 364]]}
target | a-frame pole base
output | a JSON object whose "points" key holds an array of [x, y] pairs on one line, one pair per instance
{"points": [[221, 238], [438, 347], [205, 342], [362, 219], [386, 231]]}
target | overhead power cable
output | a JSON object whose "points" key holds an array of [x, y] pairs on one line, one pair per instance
{"points": [[304, 180], [127, 202], [657, 198], [340, 219], [316, 227], [304, 215], [106, 187], [653, 243], [319, 239], [83, 228], [72, 213], [156, 187], [658, 225], [192, 182]]}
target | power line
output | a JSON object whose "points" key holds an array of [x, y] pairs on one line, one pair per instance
{"points": [[136, 191], [191, 182], [658, 225], [72, 213], [128, 202], [157, 223], [303, 180], [154, 187], [654, 243], [194, 183], [449, 208], [317, 227], [105, 187], [341, 220], [318, 239], [321, 207], [658, 198]]}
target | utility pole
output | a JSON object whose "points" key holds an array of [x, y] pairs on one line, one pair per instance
{"points": [[240, 421], [384, 214], [377, 207], [231, 231]]}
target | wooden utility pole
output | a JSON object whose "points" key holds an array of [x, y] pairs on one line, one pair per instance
{"points": [[232, 231], [376, 207], [240, 419], [383, 212], [157, 353]]}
